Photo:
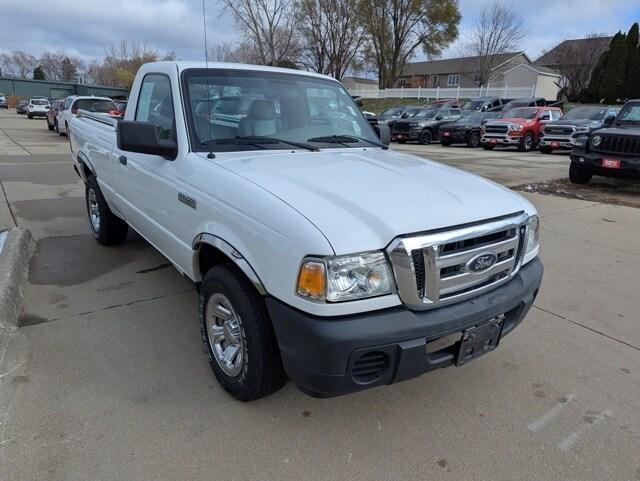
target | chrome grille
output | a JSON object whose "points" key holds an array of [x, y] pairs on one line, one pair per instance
{"points": [[435, 268], [496, 128]]}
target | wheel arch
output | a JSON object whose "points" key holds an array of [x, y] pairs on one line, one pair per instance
{"points": [[210, 250], [85, 169]]}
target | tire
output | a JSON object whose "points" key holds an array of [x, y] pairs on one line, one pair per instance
{"points": [[445, 143], [425, 137], [107, 228], [474, 140], [402, 141], [487, 147], [49, 126], [29, 116], [528, 143], [241, 327], [578, 175], [545, 150]]}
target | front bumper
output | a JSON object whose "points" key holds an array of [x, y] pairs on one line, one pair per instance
{"points": [[455, 136], [497, 139], [592, 162], [556, 143], [319, 354], [37, 113], [412, 134]]}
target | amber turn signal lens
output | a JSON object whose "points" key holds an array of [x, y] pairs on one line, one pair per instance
{"points": [[312, 280]]}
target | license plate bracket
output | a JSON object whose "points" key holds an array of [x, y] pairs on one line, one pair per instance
{"points": [[479, 340], [611, 163]]}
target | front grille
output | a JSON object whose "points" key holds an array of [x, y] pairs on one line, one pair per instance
{"points": [[496, 129], [558, 130], [401, 127], [440, 267], [369, 367], [619, 144]]}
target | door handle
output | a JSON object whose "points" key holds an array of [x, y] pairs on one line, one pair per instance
{"points": [[123, 159]]}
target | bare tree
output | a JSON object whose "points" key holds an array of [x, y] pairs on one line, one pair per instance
{"points": [[397, 28], [497, 30], [575, 60], [332, 35], [60, 66], [268, 25], [18, 64]]}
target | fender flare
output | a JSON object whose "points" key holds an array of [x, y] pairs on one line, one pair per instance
{"points": [[83, 161], [231, 252]]}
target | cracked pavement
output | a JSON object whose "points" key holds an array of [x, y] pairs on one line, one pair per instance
{"points": [[106, 380]]}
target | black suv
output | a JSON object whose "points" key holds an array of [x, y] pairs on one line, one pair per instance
{"points": [[483, 104], [466, 130], [561, 134], [424, 126], [612, 151]]}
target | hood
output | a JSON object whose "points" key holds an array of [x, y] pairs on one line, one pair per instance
{"points": [[577, 122], [361, 199], [513, 120]]}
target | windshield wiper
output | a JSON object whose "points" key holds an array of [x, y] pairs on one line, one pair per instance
{"points": [[345, 139], [259, 139]]}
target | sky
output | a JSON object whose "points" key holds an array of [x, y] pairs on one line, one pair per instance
{"points": [[85, 27]]}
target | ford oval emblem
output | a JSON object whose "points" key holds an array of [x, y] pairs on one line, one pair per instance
{"points": [[482, 262]]}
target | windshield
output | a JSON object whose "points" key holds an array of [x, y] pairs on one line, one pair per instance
{"points": [[427, 114], [473, 105], [471, 119], [522, 113], [237, 110], [585, 113], [393, 112], [629, 113]]}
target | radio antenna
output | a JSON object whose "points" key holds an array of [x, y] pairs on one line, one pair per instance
{"points": [[210, 155]]}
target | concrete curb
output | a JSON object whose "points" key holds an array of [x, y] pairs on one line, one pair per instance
{"points": [[15, 255]]}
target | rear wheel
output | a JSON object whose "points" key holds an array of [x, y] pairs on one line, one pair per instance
{"points": [[49, 126], [474, 140], [238, 336], [107, 228], [425, 137], [578, 175]]}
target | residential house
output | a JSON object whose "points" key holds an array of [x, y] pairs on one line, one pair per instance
{"points": [[457, 72], [595, 46], [544, 82]]}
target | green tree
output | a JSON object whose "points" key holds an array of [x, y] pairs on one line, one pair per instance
{"points": [[612, 84], [38, 73], [632, 76], [395, 29]]}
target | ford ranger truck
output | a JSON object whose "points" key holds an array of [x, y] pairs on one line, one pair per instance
{"points": [[611, 151], [319, 254], [578, 122], [519, 127]]}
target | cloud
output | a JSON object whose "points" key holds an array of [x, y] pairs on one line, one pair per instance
{"points": [[86, 27]]}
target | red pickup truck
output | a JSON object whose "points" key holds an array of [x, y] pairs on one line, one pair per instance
{"points": [[519, 127]]}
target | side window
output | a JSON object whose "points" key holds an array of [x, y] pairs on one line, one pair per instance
{"points": [[555, 115], [155, 105]]}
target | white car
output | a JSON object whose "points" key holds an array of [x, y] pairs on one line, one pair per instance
{"points": [[319, 254], [73, 103], [37, 107]]}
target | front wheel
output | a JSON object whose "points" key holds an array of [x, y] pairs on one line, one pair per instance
{"points": [[425, 137], [49, 126], [487, 147], [238, 336], [527, 143], [474, 140], [545, 149], [578, 175], [107, 228]]}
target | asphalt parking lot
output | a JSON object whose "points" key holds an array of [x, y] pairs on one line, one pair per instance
{"points": [[106, 379]]}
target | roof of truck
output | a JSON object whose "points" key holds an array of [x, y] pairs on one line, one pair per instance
{"points": [[185, 65]]}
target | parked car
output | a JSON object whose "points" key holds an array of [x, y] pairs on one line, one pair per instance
{"points": [[446, 103], [467, 129], [483, 104], [519, 127], [610, 151], [52, 114], [578, 122], [424, 126], [316, 258], [72, 104], [37, 107], [3, 102], [21, 108], [390, 114]]}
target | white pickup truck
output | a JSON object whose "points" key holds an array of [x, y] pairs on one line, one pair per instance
{"points": [[319, 254]]}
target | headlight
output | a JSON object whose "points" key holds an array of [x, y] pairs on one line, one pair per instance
{"points": [[580, 142], [583, 129], [533, 235], [595, 140], [345, 278], [515, 127]]}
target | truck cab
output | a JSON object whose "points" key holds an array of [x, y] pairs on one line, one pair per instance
{"points": [[319, 254]]}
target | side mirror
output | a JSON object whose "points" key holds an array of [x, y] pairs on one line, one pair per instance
{"points": [[545, 117], [608, 121], [384, 133], [142, 137], [439, 117]]}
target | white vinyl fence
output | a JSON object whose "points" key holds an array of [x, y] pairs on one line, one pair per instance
{"points": [[445, 93]]}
